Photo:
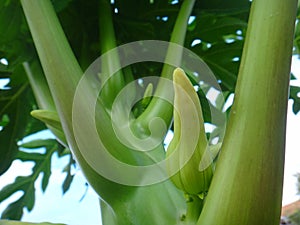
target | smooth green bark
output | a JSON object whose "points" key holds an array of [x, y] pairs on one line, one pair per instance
{"points": [[247, 185]]}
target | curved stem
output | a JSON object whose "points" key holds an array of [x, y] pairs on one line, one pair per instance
{"points": [[63, 74], [159, 107], [112, 83]]}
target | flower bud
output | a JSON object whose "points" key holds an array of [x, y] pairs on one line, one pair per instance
{"points": [[189, 162], [51, 119]]}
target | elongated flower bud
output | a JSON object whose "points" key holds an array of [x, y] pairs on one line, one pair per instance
{"points": [[190, 163]]}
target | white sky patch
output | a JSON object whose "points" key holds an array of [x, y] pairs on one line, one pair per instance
{"points": [[191, 19], [3, 83], [239, 32], [209, 127], [195, 42], [18, 168], [229, 40], [212, 95], [55, 207], [168, 139], [174, 2], [235, 59], [164, 18], [228, 102], [292, 157], [295, 69], [4, 61]]}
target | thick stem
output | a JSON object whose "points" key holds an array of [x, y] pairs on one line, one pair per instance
{"points": [[58, 61], [247, 185], [63, 73]]}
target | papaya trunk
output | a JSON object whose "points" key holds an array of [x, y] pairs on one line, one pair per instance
{"points": [[247, 185]]}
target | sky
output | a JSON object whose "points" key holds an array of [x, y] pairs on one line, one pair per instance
{"points": [[292, 157], [74, 209]]}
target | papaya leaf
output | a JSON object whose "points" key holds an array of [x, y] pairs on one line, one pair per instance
{"points": [[11, 13], [59, 5], [16, 102], [26, 183], [218, 37], [15, 209], [69, 178], [15, 108], [67, 182]]}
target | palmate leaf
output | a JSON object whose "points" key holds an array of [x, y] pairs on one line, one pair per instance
{"points": [[140, 20], [218, 38], [16, 109], [16, 103], [213, 28], [59, 5], [69, 178], [15, 209], [26, 183], [229, 5], [297, 34], [10, 12], [15, 40], [223, 59]]}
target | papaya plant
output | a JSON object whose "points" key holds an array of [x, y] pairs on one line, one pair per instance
{"points": [[113, 112]]}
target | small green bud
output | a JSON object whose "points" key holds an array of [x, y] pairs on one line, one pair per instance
{"points": [[51, 119], [147, 95]]}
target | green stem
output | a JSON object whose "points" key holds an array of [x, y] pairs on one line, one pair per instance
{"points": [[39, 85], [194, 207], [113, 83], [247, 185], [63, 73], [58, 61], [43, 97], [159, 107]]}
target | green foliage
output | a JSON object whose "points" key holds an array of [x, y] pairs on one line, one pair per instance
{"points": [[16, 119], [295, 218], [216, 34], [15, 40]]}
